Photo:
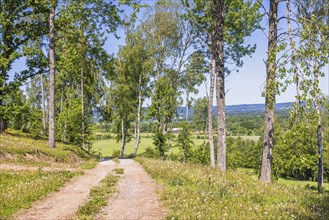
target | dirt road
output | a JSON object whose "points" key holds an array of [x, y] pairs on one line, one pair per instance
{"points": [[65, 202], [136, 197]]}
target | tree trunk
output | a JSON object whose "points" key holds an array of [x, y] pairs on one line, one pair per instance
{"points": [[218, 47], [123, 139], [187, 105], [319, 126], [138, 124], [293, 61], [270, 94], [51, 140], [82, 113], [3, 124], [210, 101], [320, 152], [44, 123]]}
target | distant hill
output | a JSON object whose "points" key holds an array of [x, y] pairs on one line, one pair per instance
{"points": [[243, 109], [231, 110]]}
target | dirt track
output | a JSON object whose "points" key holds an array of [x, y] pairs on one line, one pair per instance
{"points": [[65, 202], [136, 197]]}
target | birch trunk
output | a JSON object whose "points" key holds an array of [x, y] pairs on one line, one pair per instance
{"points": [[210, 101], [187, 105], [82, 113], [123, 139], [51, 138], [220, 83], [319, 127], [293, 59], [270, 94], [44, 120], [137, 129]]}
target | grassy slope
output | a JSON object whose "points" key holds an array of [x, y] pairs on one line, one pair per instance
{"points": [[15, 185], [18, 147], [200, 192]]}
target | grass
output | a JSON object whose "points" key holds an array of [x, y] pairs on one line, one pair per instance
{"points": [[201, 192], [119, 170], [98, 197], [285, 182], [109, 145], [253, 138], [301, 184], [19, 189], [22, 148]]}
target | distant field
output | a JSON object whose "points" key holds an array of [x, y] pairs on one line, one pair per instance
{"points": [[107, 146], [300, 183], [295, 183], [254, 138]]}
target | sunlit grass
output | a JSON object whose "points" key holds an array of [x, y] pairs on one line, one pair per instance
{"points": [[286, 182], [253, 138], [19, 189], [301, 184], [200, 192], [109, 145], [22, 148]]}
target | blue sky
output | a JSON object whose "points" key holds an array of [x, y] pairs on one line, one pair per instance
{"points": [[244, 87]]}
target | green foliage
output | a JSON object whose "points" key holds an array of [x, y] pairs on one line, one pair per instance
{"points": [[160, 143], [98, 197], [184, 143], [16, 188], [116, 153], [195, 191], [17, 30], [200, 114]]}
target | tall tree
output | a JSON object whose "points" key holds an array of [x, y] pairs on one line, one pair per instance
{"points": [[270, 93], [223, 30], [314, 56], [218, 48], [51, 99], [210, 103]]}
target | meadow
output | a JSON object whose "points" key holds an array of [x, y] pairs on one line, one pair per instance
{"points": [[193, 191], [107, 146]]}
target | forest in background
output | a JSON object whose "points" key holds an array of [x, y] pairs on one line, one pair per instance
{"points": [[166, 56]]}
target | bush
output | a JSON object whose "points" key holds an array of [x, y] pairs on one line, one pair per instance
{"points": [[116, 153], [150, 153]]}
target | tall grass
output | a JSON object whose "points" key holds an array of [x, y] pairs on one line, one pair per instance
{"points": [[201, 192]]}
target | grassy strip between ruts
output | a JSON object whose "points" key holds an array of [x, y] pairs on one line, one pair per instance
{"points": [[19, 189], [201, 192], [98, 197]]}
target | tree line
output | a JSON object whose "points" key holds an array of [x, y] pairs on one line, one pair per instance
{"points": [[167, 55]]}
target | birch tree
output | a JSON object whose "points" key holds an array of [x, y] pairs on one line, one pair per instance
{"points": [[223, 27]]}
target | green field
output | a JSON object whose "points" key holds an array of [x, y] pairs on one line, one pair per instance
{"points": [[107, 146], [253, 138], [301, 184]]}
